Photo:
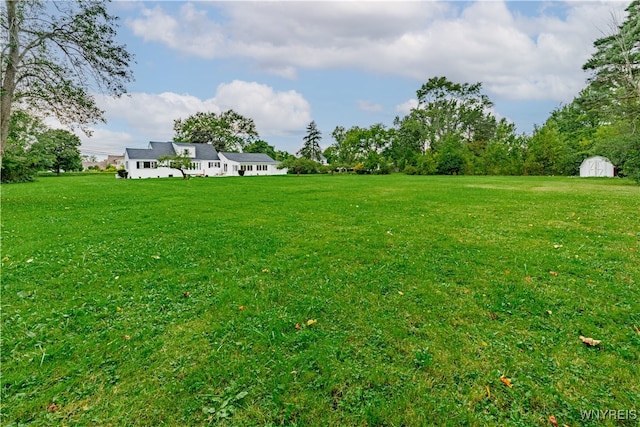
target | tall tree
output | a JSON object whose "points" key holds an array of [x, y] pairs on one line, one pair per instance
{"points": [[311, 143], [613, 94], [19, 162], [448, 108], [59, 150], [353, 145], [54, 54], [615, 66], [227, 131]]}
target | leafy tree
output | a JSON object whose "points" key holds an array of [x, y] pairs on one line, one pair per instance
{"points": [[451, 159], [300, 165], [227, 131], [311, 143], [58, 149], [446, 112], [261, 146], [179, 161], [356, 144], [54, 54], [19, 164], [548, 153], [449, 108], [613, 94]]}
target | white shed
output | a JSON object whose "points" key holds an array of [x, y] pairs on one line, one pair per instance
{"points": [[597, 166]]}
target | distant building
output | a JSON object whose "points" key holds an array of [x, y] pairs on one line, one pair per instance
{"points": [[116, 161], [597, 166], [206, 161]]}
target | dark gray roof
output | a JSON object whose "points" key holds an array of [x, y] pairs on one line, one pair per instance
{"points": [[249, 157], [158, 149]]}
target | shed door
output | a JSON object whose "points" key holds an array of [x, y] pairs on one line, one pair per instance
{"points": [[596, 167]]}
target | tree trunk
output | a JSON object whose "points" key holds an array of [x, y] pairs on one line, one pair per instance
{"points": [[9, 78]]}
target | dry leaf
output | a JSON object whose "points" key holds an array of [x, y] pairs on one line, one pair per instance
{"points": [[186, 294], [527, 279], [557, 246], [506, 381], [590, 341], [488, 392], [52, 407], [127, 337], [30, 260], [636, 328], [553, 273], [241, 308], [298, 327], [493, 316], [507, 272], [311, 322], [553, 420], [155, 256], [400, 293]]}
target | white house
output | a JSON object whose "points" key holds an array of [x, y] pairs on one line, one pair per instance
{"points": [[206, 161], [597, 166]]}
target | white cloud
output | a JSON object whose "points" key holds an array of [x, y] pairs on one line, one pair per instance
{"points": [[275, 113], [369, 106], [406, 107], [515, 56]]}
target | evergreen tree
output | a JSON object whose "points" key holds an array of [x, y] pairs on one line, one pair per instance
{"points": [[311, 143]]}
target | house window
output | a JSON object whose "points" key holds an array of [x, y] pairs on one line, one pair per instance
{"points": [[214, 164], [146, 165], [235, 168], [225, 167], [261, 167]]}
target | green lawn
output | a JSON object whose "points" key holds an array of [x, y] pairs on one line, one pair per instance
{"points": [[148, 302]]}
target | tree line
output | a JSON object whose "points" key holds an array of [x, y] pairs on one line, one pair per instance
{"points": [[49, 52]]}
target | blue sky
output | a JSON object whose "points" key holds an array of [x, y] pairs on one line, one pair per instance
{"points": [[341, 63]]}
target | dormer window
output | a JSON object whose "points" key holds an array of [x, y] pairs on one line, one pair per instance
{"points": [[185, 151]]}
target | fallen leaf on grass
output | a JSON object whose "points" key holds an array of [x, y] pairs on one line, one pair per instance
{"points": [[155, 256], [298, 327], [30, 260], [636, 328], [557, 246], [488, 392], [127, 337], [506, 381], [311, 322], [590, 341], [527, 279], [493, 316], [553, 273], [186, 294], [553, 420], [52, 407], [400, 293], [241, 308]]}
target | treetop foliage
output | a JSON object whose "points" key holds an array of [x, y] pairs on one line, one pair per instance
{"points": [[227, 131]]}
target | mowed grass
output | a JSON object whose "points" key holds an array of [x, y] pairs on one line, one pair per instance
{"points": [[171, 302]]}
